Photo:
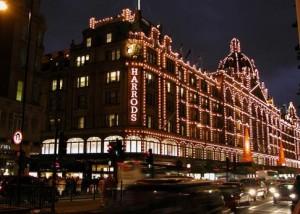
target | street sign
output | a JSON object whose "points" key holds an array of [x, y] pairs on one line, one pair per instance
{"points": [[18, 137]]}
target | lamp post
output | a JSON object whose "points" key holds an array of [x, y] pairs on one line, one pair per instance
{"points": [[4, 6]]}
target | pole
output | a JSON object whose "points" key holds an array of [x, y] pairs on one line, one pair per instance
{"points": [[29, 29], [55, 149]]}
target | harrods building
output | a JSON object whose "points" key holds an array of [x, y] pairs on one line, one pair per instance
{"points": [[124, 81]]}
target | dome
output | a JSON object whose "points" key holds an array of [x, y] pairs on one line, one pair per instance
{"points": [[237, 62]]}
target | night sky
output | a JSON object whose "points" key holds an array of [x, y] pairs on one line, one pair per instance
{"points": [[264, 28]]}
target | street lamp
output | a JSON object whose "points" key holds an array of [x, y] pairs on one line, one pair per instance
{"points": [[3, 5]]}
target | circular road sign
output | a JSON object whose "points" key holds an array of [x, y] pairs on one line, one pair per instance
{"points": [[18, 137]]}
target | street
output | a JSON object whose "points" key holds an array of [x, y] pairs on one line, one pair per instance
{"points": [[266, 206]]}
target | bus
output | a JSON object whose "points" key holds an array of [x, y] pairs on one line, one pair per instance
{"points": [[267, 174]]}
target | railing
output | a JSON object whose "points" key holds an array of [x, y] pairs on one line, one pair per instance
{"points": [[31, 196]]}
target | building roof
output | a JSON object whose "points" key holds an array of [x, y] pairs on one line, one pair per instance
{"points": [[237, 62]]}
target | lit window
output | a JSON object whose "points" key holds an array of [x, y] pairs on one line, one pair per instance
{"points": [[112, 120], [168, 87], [61, 84], [75, 146], [115, 54], [82, 81], [93, 145], [48, 147], [57, 84], [108, 38], [169, 126], [78, 61], [88, 42], [19, 95], [54, 85], [149, 122], [81, 122], [182, 93], [149, 76], [113, 76], [81, 60]]}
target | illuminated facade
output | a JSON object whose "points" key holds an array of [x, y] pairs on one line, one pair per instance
{"points": [[125, 82]]}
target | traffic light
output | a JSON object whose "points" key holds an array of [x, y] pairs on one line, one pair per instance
{"points": [[120, 149], [116, 150], [149, 158]]}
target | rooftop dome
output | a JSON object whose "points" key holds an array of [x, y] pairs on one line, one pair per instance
{"points": [[237, 62]]}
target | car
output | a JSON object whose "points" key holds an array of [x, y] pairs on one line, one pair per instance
{"points": [[255, 187], [234, 196], [284, 192], [170, 196]]}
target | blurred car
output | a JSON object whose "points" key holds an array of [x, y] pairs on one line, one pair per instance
{"points": [[284, 192], [255, 187], [170, 196], [234, 196]]}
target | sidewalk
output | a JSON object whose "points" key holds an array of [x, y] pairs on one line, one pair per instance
{"points": [[77, 207]]}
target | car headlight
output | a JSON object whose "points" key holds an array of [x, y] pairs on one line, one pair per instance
{"points": [[272, 190], [290, 187], [276, 195], [252, 192], [293, 196]]}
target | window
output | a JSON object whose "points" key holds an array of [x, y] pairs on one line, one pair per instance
{"points": [[81, 123], [182, 130], [168, 87], [75, 146], [149, 121], [19, 94], [82, 60], [108, 37], [82, 102], [82, 81], [57, 84], [194, 99], [193, 81], [205, 118], [112, 120], [112, 97], [113, 55], [93, 145], [204, 86], [150, 99], [180, 74], [88, 42], [170, 127], [48, 147], [170, 65], [113, 76], [182, 110], [182, 93], [152, 56]]}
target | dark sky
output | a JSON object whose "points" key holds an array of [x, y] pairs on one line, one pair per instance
{"points": [[264, 28]]}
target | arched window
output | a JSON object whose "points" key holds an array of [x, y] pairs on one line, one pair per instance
{"points": [[109, 139], [169, 148], [48, 147], [133, 144], [93, 145], [199, 153], [75, 146], [152, 143], [209, 154]]}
